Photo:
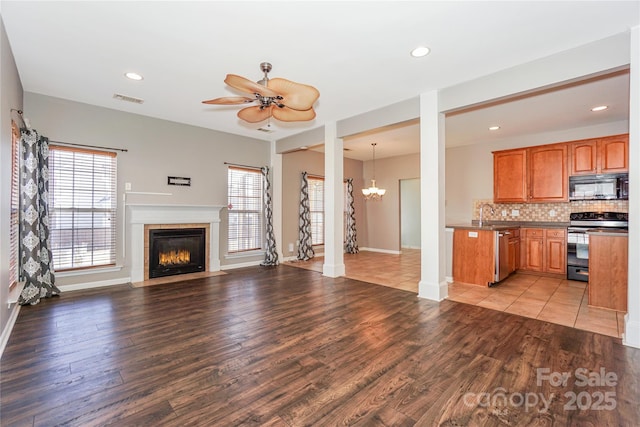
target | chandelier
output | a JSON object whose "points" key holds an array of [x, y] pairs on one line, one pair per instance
{"points": [[373, 192]]}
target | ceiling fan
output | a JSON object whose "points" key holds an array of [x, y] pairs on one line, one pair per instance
{"points": [[279, 98]]}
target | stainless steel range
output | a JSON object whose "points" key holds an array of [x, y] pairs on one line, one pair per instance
{"points": [[578, 238]]}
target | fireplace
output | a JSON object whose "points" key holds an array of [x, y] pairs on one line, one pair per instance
{"points": [[176, 251]]}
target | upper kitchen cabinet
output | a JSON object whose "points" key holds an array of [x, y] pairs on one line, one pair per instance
{"points": [[510, 176], [535, 174], [600, 155], [548, 176]]}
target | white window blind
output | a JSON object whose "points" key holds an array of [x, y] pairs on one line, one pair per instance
{"points": [[316, 208], [82, 205], [14, 219], [244, 189]]}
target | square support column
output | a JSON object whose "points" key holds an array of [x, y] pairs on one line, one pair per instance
{"points": [[432, 283], [333, 203]]}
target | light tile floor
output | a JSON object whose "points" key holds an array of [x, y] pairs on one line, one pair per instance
{"points": [[554, 300]]}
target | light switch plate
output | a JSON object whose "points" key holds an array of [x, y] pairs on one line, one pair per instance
{"points": [[515, 212]]}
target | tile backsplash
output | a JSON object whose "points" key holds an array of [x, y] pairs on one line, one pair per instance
{"points": [[545, 212]]}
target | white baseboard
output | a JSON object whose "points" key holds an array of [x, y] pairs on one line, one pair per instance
{"points": [[411, 247], [631, 336], [6, 332], [97, 284], [384, 251], [448, 279], [240, 265]]}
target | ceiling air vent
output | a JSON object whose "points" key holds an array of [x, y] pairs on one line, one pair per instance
{"points": [[128, 98]]}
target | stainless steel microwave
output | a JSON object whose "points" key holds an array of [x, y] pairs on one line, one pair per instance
{"points": [[599, 187]]}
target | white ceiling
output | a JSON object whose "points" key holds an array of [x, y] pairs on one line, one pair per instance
{"points": [[355, 53]]}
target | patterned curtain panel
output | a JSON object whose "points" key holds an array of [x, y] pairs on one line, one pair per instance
{"points": [[351, 242], [305, 250], [35, 249], [270, 256]]}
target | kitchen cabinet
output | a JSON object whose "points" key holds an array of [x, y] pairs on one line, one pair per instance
{"points": [[600, 155], [555, 251], [533, 249], [514, 249], [608, 275], [474, 256], [510, 176], [536, 174], [548, 174], [544, 250]]}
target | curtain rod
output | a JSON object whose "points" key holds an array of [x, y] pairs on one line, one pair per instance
{"points": [[242, 166], [124, 150]]}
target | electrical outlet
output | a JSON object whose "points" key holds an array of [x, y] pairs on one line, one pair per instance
{"points": [[552, 213], [290, 247], [515, 212], [504, 212], [127, 186]]}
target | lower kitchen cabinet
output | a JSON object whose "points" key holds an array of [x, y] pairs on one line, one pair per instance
{"points": [[556, 251], [608, 265], [514, 249], [544, 250], [474, 256]]}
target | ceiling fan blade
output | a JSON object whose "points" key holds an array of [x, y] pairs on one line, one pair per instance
{"points": [[255, 114], [290, 115], [229, 100], [247, 85], [297, 96]]}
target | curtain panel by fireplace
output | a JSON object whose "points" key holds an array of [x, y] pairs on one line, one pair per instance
{"points": [[35, 245], [270, 255]]}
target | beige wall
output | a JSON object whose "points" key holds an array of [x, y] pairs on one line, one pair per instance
{"points": [[293, 164], [383, 216], [10, 97], [156, 149]]}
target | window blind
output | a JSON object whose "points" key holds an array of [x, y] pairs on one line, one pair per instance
{"points": [[245, 196], [14, 219], [82, 204], [316, 208]]}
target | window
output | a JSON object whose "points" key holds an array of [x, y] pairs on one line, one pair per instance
{"points": [[82, 205], [244, 189], [316, 208], [14, 218]]}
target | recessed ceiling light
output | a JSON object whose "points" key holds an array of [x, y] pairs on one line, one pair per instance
{"points": [[133, 76], [494, 128], [420, 51], [600, 108]]}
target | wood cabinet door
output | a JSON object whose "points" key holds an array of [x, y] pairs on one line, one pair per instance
{"points": [[613, 154], [584, 156], [608, 271], [548, 173], [534, 249], [514, 255], [510, 176], [556, 255]]}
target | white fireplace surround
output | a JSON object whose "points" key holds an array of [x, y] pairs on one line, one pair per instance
{"points": [[141, 215]]}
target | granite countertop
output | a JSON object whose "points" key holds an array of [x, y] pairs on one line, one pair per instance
{"points": [[504, 225]]}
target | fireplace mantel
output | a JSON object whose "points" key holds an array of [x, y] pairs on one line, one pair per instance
{"points": [[139, 215]]}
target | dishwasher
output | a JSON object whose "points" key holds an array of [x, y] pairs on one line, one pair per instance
{"points": [[502, 255]]}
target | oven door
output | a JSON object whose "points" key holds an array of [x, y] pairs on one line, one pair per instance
{"points": [[578, 254]]}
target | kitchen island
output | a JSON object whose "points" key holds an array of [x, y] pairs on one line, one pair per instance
{"points": [[485, 255]]}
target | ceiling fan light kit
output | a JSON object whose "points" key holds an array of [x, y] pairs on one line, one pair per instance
{"points": [[279, 98]]}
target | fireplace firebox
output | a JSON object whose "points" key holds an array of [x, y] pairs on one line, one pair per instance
{"points": [[176, 251]]}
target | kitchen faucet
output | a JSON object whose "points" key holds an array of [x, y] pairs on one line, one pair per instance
{"points": [[482, 209]]}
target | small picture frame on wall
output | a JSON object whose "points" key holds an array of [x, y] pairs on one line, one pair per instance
{"points": [[178, 180]]}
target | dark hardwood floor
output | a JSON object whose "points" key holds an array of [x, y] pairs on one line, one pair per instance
{"points": [[285, 346]]}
